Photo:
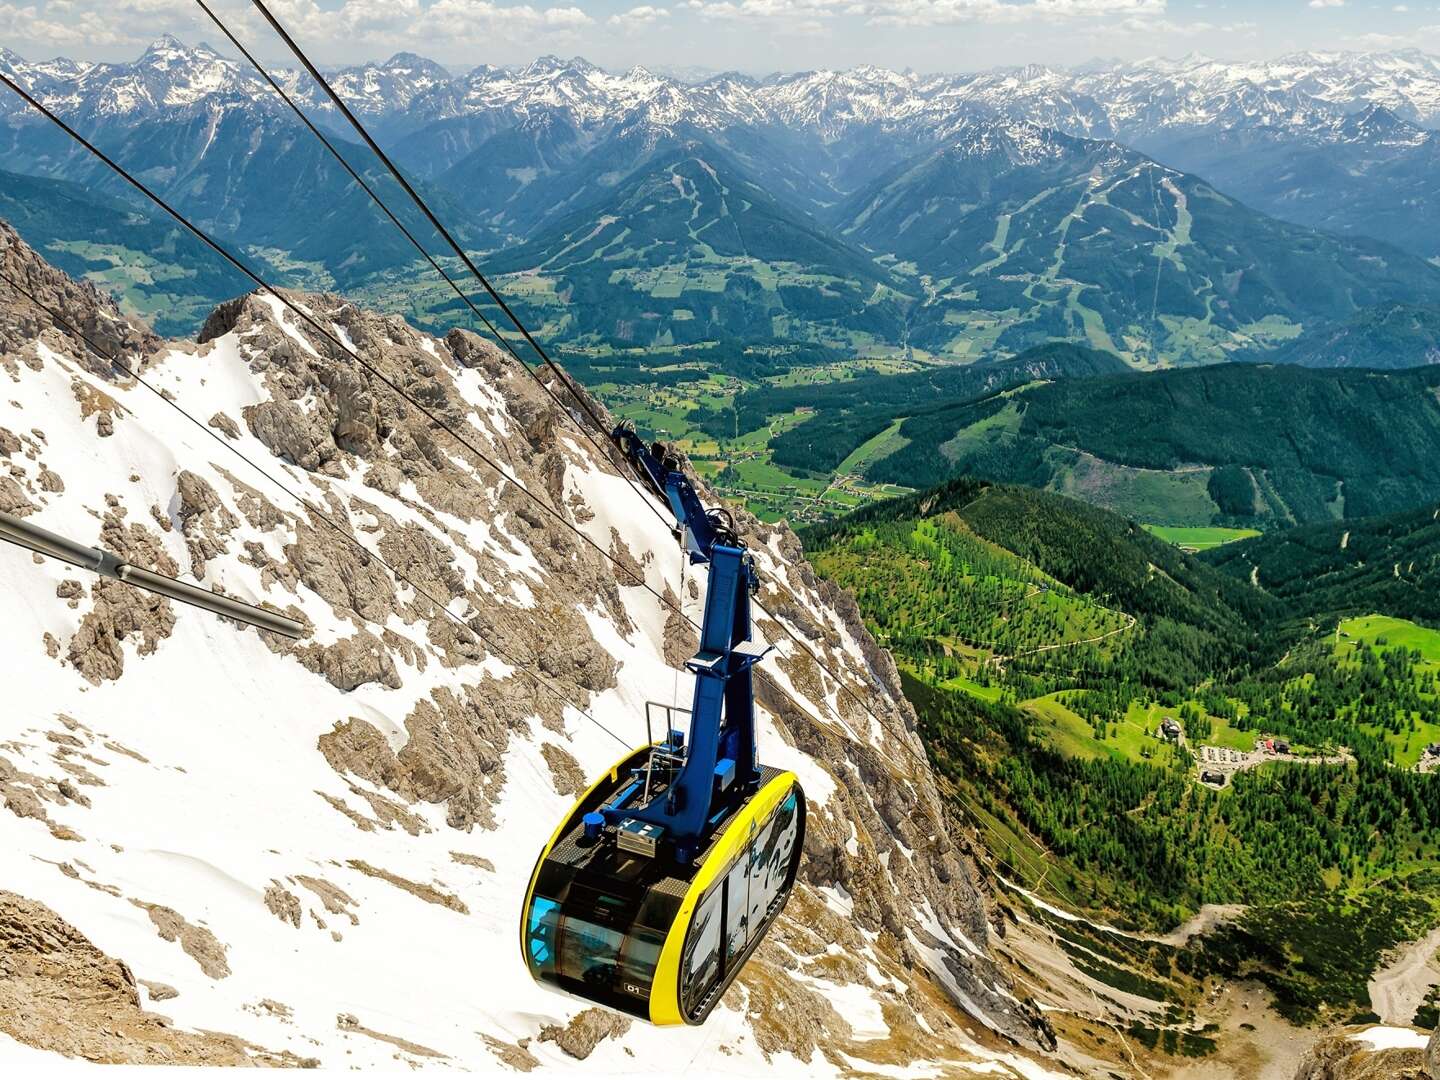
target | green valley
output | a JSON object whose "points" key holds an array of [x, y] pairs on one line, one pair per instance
{"points": [[1137, 733]]}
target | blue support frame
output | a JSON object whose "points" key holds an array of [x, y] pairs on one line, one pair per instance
{"points": [[720, 768]]}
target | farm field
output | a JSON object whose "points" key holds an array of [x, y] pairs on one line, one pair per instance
{"points": [[1199, 537], [738, 464]]}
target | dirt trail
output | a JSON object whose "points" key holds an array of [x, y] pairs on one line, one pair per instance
{"points": [[1397, 989], [1202, 922]]}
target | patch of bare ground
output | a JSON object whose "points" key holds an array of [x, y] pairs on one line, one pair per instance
{"points": [[1398, 988], [428, 893], [516, 1055], [336, 900], [120, 748], [271, 1007], [159, 991], [1255, 1042], [347, 1022], [361, 822], [25, 796], [61, 994], [790, 1015], [390, 813], [478, 861], [198, 943], [283, 904], [585, 1031], [565, 771]]}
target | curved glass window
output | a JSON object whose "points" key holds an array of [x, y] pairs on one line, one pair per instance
{"points": [[734, 912], [737, 907], [770, 858], [701, 969], [542, 930], [591, 940]]}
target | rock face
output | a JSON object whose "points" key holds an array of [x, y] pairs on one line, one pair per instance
{"points": [[354, 816], [59, 992], [1338, 1058]]}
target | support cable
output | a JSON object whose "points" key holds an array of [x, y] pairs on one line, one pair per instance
{"points": [[901, 735], [328, 334], [500, 339], [360, 130]]}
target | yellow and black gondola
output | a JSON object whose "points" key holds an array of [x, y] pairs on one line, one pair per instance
{"points": [[668, 872], [644, 936]]}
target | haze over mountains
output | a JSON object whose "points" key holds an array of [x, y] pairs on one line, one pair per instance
{"points": [[1161, 209]]}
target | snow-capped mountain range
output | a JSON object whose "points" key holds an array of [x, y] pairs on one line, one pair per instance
{"points": [[1123, 100], [519, 159]]}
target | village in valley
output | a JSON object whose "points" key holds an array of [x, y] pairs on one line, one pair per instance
{"points": [[1214, 765]]}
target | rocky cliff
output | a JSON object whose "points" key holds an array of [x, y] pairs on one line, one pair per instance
{"points": [[319, 848]]}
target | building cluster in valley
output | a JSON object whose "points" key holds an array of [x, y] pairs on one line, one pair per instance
{"points": [[1216, 764]]}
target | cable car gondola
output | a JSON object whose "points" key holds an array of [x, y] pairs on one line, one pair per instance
{"points": [[669, 871]]}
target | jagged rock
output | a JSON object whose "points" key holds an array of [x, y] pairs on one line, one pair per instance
{"points": [[23, 803], [118, 613], [198, 943], [568, 777], [1339, 1058], [12, 498], [204, 519], [585, 1031], [351, 662], [158, 991], [283, 904], [225, 425], [58, 992]]}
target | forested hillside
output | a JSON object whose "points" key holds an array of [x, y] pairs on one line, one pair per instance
{"points": [[1234, 443], [1385, 336], [1389, 563], [848, 412], [150, 262], [1047, 642]]}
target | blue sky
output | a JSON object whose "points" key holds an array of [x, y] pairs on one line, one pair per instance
{"points": [[750, 35]]}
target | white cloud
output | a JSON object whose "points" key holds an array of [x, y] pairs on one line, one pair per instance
{"points": [[773, 10], [378, 25], [938, 12], [1152, 26], [1327, 3], [639, 17]]}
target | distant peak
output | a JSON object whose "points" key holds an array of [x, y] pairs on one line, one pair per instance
{"points": [[548, 64], [411, 60], [166, 43], [168, 47]]}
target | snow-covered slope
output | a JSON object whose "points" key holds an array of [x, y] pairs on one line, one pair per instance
{"points": [[319, 848]]}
